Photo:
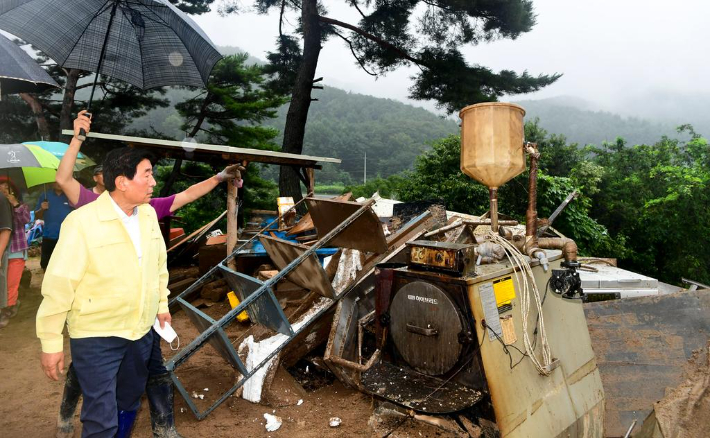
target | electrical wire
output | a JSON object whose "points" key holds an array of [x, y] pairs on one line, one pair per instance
{"points": [[523, 355], [526, 282]]}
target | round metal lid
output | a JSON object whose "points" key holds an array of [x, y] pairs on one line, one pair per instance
{"points": [[425, 327]]}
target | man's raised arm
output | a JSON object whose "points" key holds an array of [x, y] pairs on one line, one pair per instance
{"points": [[65, 173]]}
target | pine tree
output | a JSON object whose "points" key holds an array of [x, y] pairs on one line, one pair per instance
{"points": [[390, 34]]}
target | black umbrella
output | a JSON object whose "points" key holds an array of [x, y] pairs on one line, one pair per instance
{"points": [[19, 73], [147, 43]]}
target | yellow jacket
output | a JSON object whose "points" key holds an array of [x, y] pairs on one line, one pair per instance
{"points": [[93, 281]]}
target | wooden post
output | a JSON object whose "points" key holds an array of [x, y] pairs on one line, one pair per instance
{"points": [[311, 174], [232, 211]]}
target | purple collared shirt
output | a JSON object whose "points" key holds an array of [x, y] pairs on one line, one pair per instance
{"points": [[20, 217], [161, 205]]}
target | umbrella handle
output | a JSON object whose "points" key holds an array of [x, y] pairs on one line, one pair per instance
{"points": [[82, 133]]}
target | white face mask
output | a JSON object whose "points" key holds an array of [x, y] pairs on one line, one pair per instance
{"points": [[167, 333]]}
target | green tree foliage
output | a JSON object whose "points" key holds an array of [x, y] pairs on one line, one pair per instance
{"points": [[230, 111], [17, 120], [257, 194], [658, 197], [192, 6], [646, 205], [233, 106], [437, 175]]}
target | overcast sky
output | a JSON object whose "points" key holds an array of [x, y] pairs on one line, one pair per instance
{"points": [[608, 50]]}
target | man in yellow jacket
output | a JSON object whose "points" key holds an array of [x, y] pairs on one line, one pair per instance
{"points": [[107, 280]]}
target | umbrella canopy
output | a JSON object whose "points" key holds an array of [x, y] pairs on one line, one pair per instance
{"points": [[37, 165], [58, 149], [19, 73], [150, 44]]}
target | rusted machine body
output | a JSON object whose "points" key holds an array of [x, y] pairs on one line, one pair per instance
{"points": [[449, 325], [453, 342]]}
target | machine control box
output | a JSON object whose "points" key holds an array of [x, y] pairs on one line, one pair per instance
{"points": [[452, 258]]}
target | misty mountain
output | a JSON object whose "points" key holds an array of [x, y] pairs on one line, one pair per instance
{"points": [[582, 123]]}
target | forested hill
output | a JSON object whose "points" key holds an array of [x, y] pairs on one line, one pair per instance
{"points": [[347, 126], [580, 123]]}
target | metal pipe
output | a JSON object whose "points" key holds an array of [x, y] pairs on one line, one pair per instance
{"points": [[493, 195], [356, 366], [488, 222], [554, 214], [531, 248], [472, 223], [568, 246], [631, 428], [531, 215]]}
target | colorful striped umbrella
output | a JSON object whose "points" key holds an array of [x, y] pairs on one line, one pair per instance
{"points": [[58, 149], [37, 165]]}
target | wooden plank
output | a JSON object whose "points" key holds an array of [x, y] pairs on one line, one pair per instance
{"points": [[202, 230], [252, 155]]}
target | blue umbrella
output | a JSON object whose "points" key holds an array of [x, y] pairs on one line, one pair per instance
{"points": [[19, 73], [58, 149]]}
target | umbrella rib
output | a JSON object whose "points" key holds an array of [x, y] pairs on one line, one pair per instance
{"points": [[100, 11], [140, 47], [159, 20]]}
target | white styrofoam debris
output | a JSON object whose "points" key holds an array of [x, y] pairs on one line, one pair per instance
{"points": [[272, 422], [300, 402], [258, 351], [206, 389], [348, 268], [334, 421]]}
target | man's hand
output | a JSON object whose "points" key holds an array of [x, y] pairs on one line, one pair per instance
{"points": [[44, 205], [50, 362], [81, 121], [231, 172], [163, 318]]}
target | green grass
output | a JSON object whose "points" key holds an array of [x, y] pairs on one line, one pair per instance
{"points": [[335, 189]]}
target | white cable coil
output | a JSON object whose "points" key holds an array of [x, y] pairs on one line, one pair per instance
{"points": [[524, 282]]}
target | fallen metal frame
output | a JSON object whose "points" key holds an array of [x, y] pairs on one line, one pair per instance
{"points": [[260, 303]]}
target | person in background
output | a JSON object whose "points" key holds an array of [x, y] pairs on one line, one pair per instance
{"points": [[52, 206], [107, 281], [99, 180], [5, 233], [159, 388], [18, 244]]}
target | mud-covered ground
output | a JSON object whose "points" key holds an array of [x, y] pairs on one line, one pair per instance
{"points": [[29, 401]]}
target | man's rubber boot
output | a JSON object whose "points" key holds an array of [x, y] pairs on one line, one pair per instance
{"points": [[70, 398], [125, 423], [160, 397]]}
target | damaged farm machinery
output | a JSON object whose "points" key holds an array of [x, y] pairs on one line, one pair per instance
{"points": [[481, 315]]}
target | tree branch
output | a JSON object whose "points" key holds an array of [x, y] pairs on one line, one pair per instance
{"points": [[281, 17], [354, 3], [98, 84], [373, 38], [352, 50]]}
